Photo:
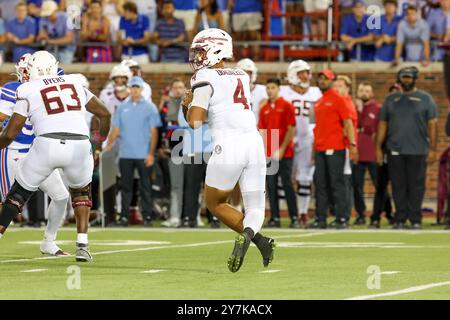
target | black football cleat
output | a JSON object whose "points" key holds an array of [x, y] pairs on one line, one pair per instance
{"points": [[241, 244]]}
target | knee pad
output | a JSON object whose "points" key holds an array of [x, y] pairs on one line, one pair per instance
{"points": [[81, 196], [15, 200], [18, 196], [304, 189]]}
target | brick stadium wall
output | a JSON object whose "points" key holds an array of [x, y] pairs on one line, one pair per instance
{"points": [[431, 80]]}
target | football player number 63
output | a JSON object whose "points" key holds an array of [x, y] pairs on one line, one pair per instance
{"points": [[54, 104]]}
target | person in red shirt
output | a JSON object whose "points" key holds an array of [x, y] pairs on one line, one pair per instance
{"points": [[343, 85], [277, 126], [333, 125]]}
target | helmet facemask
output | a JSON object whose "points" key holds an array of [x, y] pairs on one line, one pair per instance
{"points": [[198, 57]]}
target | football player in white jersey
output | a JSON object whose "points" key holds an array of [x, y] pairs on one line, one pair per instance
{"points": [[56, 107], [258, 91], [53, 186], [135, 69], [303, 96], [119, 76], [221, 96]]}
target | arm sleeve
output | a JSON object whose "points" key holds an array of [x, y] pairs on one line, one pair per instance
{"points": [[146, 25], [345, 26], [89, 94], [6, 107], [155, 118], [383, 112], [425, 34], [342, 109], [291, 115], [261, 123], [202, 94], [21, 107]]}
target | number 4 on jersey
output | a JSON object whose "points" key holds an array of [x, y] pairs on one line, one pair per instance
{"points": [[239, 95]]}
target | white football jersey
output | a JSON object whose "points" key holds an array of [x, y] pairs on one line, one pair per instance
{"points": [[108, 90], [54, 104], [259, 94], [304, 105], [229, 107]]}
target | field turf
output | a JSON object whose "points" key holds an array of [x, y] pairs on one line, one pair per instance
{"points": [[156, 263]]}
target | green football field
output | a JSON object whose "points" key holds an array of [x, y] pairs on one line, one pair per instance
{"points": [[155, 263]]}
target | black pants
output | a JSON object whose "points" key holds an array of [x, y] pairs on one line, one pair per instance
{"points": [[358, 174], [349, 202], [382, 200], [194, 175], [127, 167], [407, 174], [285, 172], [36, 205], [329, 175]]}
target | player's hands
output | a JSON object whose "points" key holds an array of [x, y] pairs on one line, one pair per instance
{"points": [[425, 63], [379, 43], [354, 154], [163, 153], [395, 62], [350, 44], [278, 154], [380, 156], [187, 98], [150, 160], [108, 147]]}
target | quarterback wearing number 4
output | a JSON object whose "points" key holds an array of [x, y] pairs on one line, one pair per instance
{"points": [[56, 106], [221, 96]]}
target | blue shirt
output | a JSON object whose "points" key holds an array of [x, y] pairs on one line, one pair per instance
{"points": [[185, 4], [21, 30], [247, 6], [135, 121], [134, 30], [352, 28], [387, 51], [222, 5], [167, 30], [195, 141], [58, 29]]}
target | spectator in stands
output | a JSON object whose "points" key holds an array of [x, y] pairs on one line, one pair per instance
{"points": [[368, 117], [247, 22], [149, 9], [8, 8], [333, 125], [95, 28], [34, 11], [356, 34], [208, 16], [54, 32], [386, 35], [197, 148], [169, 32], [437, 20], [318, 24], [136, 121], [134, 34], [186, 10], [413, 36], [408, 124], [21, 31], [171, 136], [223, 6], [113, 9], [136, 71], [2, 38], [277, 121]]}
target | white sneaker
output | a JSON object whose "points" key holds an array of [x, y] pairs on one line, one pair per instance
{"points": [[171, 223], [50, 247]]}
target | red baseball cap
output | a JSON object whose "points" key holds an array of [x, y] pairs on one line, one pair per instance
{"points": [[328, 73]]}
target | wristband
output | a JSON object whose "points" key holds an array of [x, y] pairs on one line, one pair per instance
{"points": [[97, 137]]}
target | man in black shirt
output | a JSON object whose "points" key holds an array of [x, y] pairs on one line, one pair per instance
{"points": [[408, 124]]}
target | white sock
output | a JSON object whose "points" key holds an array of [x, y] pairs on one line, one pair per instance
{"points": [[1, 235], [305, 198], [254, 204], [82, 238], [56, 213]]}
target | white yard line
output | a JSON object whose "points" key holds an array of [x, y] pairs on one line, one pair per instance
{"points": [[403, 291], [269, 271], [153, 248], [153, 271], [33, 270]]}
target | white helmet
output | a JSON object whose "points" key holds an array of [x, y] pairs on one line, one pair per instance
{"points": [[209, 47], [120, 71], [292, 73], [21, 68], [130, 63], [248, 65], [42, 63]]}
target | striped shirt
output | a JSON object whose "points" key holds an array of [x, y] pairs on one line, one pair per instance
{"points": [[25, 138], [172, 30]]}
